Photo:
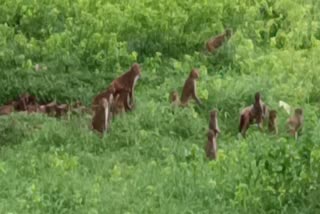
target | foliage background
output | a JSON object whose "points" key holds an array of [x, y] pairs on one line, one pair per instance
{"points": [[153, 159]]}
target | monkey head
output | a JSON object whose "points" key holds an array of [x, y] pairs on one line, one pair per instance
{"points": [[213, 114], [194, 74], [136, 70], [257, 96], [228, 32], [298, 112]]}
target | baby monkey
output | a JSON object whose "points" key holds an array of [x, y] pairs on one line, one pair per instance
{"points": [[174, 99], [273, 122]]}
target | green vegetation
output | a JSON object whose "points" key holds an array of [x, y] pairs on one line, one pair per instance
{"points": [[153, 160]]}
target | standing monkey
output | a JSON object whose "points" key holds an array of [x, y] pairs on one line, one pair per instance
{"points": [[212, 147], [189, 88], [295, 122], [127, 81], [214, 131], [259, 110], [213, 124], [254, 113]]}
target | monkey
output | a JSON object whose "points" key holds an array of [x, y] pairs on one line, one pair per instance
{"points": [[253, 113], [213, 124], [174, 99], [127, 81], [295, 122], [100, 117], [259, 110], [6, 109], [104, 94], [212, 147], [121, 103], [25, 100], [189, 88], [61, 110], [32, 108], [273, 123], [246, 118], [215, 42], [51, 108], [42, 109]]}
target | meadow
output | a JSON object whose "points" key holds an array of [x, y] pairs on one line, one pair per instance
{"points": [[153, 159]]}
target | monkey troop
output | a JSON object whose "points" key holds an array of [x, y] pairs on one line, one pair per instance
{"points": [[118, 98], [28, 103]]}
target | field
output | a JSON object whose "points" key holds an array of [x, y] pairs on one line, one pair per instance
{"points": [[153, 160]]}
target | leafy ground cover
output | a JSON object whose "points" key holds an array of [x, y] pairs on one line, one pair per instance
{"points": [[153, 160]]}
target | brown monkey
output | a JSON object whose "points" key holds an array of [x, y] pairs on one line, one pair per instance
{"points": [[104, 94], [254, 113], [246, 118], [295, 122], [121, 103], [61, 110], [25, 100], [273, 123], [127, 81], [51, 108], [100, 117], [259, 109], [32, 108], [213, 124], [189, 88], [6, 109], [174, 99], [216, 42], [212, 147], [42, 109]]}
